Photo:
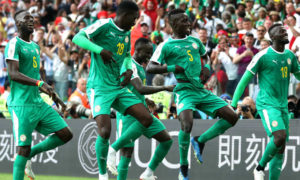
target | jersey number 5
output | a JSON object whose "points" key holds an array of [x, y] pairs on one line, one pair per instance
{"points": [[120, 48], [284, 71], [189, 53], [34, 62]]}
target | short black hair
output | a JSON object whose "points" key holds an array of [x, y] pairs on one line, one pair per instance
{"points": [[141, 41], [272, 27], [174, 12], [246, 20], [17, 13], [127, 6], [249, 34], [203, 29]]}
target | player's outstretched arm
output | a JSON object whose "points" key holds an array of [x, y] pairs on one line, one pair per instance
{"points": [[241, 87], [16, 75], [142, 89], [82, 41], [155, 68]]}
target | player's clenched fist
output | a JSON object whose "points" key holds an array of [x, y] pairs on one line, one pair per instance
{"points": [[107, 56], [127, 77]]}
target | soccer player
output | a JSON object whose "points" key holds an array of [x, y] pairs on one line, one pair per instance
{"points": [[142, 54], [182, 55], [273, 66], [29, 112], [109, 42]]}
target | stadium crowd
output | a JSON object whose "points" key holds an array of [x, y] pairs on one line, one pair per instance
{"points": [[231, 31]]}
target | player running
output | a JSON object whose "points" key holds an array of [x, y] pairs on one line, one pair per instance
{"points": [[109, 42], [142, 54], [182, 54], [28, 111], [273, 66]]}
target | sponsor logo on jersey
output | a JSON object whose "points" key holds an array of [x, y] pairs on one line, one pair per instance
{"points": [[180, 105], [194, 45], [23, 138], [289, 61], [126, 39], [37, 51], [113, 34], [97, 108], [275, 61], [274, 123]]}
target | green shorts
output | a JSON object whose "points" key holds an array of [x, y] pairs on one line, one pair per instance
{"points": [[123, 123], [275, 119], [42, 118], [186, 97], [120, 99]]}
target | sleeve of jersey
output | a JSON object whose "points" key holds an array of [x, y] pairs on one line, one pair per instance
{"points": [[255, 63], [202, 49], [96, 28], [159, 54], [135, 72], [295, 67], [127, 63], [82, 41], [11, 50], [241, 87]]}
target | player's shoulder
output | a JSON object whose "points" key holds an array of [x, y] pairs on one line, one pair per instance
{"points": [[262, 53], [289, 52], [13, 41]]}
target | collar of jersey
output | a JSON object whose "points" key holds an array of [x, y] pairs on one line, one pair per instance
{"points": [[116, 25], [137, 62], [180, 39], [24, 41], [276, 51]]}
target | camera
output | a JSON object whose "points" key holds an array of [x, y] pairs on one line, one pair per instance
{"points": [[78, 110], [245, 108]]}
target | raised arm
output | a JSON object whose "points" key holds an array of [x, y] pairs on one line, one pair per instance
{"points": [[241, 87], [82, 41], [142, 89]]}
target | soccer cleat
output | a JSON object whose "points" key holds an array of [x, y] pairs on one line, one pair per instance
{"points": [[103, 177], [28, 170], [111, 162], [198, 148], [181, 177], [258, 175], [146, 176]]}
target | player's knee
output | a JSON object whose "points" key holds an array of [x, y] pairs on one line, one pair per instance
{"points": [[280, 139], [187, 127], [69, 136], [235, 118], [105, 133], [24, 151], [127, 152], [147, 121]]}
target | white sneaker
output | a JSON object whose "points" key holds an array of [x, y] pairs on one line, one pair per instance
{"points": [[111, 161], [258, 175], [146, 176], [103, 177], [28, 170]]}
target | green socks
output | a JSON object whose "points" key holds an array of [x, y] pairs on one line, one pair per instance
{"points": [[19, 167], [275, 167], [184, 144], [101, 148], [269, 153], [130, 135], [160, 153], [51, 142], [123, 168], [218, 128]]}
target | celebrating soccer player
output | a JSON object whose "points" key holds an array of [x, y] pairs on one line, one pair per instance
{"points": [[142, 54], [182, 54], [28, 111], [109, 42], [273, 66]]}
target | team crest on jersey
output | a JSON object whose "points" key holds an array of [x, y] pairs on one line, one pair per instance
{"points": [[194, 45], [23, 138], [289, 61], [126, 39], [97, 108], [274, 123]]}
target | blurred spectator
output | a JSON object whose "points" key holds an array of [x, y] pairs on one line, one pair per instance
{"points": [[247, 110], [3, 99], [261, 31], [264, 43], [290, 11], [161, 99], [293, 31], [3, 66], [79, 95], [262, 14], [209, 45], [247, 28], [293, 106], [212, 22], [224, 55]]}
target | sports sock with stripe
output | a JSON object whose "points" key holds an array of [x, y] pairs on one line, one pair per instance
{"points": [[19, 167], [161, 151], [123, 168], [101, 148], [275, 167], [269, 153], [184, 144]]}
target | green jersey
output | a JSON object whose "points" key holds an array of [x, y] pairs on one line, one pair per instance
{"points": [[185, 53], [28, 56], [109, 36], [273, 69], [138, 72]]}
